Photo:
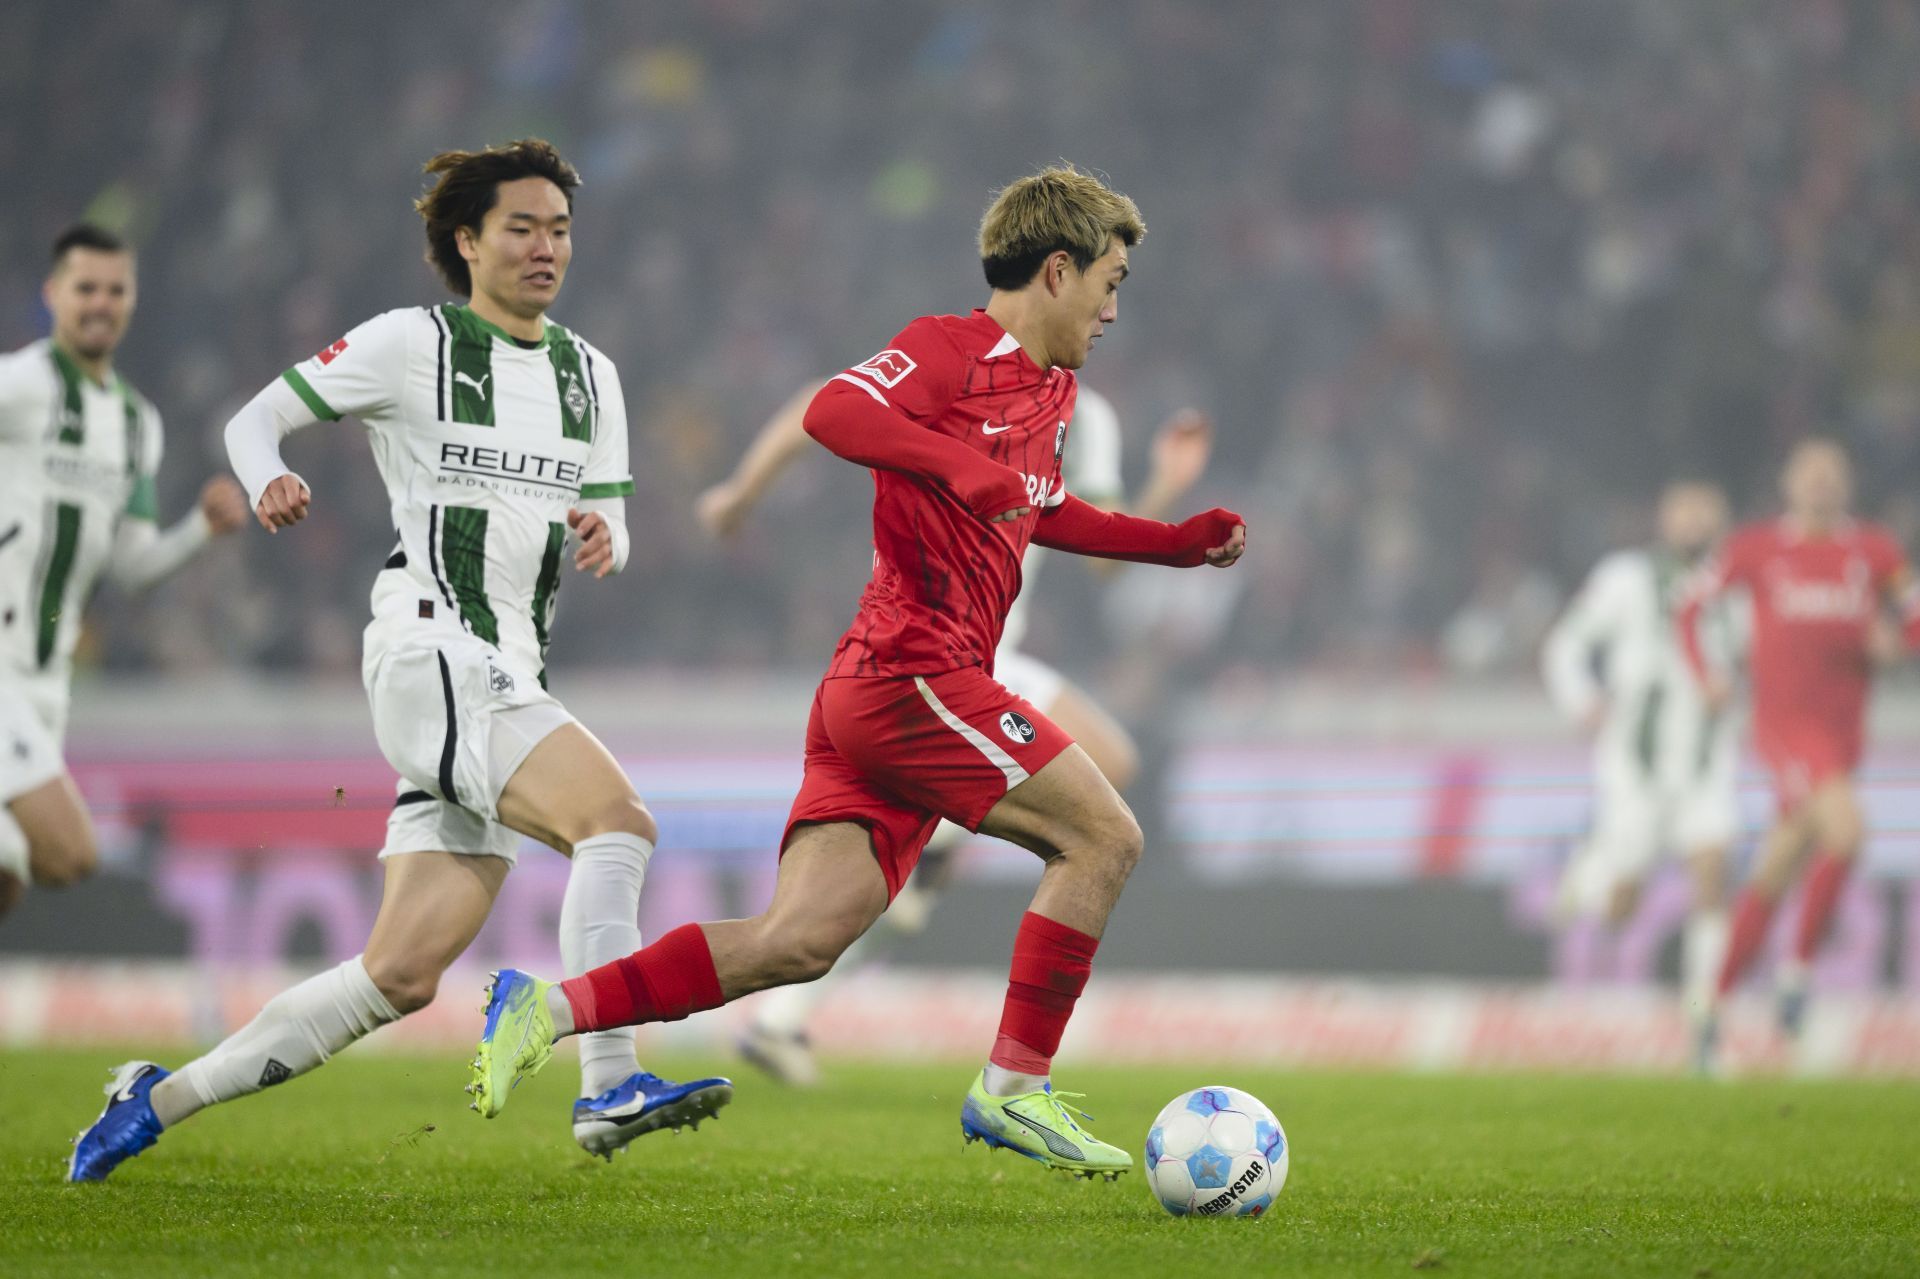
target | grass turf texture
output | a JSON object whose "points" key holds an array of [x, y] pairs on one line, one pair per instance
{"points": [[374, 1166]]}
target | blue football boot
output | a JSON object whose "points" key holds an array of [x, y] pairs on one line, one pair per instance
{"points": [[643, 1103], [125, 1128]]}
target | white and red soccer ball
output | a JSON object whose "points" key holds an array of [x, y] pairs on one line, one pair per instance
{"points": [[1216, 1152]]}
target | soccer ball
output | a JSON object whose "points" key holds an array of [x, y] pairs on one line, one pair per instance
{"points": [[1216, 1152]]}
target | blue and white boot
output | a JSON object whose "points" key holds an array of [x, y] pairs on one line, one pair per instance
{"points": [[643, 1103], [125, 1128]]}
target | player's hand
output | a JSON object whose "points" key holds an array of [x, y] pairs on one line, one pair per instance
{"points": [[1595, 718], [1716, 693], [1008, 517], [1223, 555], [1180, 450], [595, 553], [722, 509], [224, 503], [284, 504]]}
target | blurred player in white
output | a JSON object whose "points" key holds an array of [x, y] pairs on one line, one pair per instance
{"points": [[1664, 761], [79, 451], [776, 1040], [496, 431]]}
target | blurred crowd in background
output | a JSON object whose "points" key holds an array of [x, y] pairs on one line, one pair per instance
{"points": [[1459, 285]]}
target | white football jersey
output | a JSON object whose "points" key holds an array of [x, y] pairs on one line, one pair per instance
{"points": [[1090, 470], [484, 443], [76, 457], [1655, 713]]}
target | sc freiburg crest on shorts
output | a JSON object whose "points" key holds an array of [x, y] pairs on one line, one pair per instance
{"points": [[1018, 728]]}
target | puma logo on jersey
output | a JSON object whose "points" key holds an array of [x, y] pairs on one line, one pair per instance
{"points": [[988, 428], [479, 388]]}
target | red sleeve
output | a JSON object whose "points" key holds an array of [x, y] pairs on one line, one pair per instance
{"points": [[875, 414], [1893, 576], [1085, 529], [1730, 565]]}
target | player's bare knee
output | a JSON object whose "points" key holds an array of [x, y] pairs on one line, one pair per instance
{"points": [[62, 861], [625, 815], [409, 987], [1120, 841]]}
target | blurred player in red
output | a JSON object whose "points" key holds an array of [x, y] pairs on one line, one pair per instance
{"points": [[963, 420], [1822, 586]]}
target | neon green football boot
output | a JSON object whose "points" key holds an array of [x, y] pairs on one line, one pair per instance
{"points": [[1042, 1127], [517, 1041]]}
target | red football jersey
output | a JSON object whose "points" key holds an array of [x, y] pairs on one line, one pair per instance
{"points": [[1814, 599], [943, 579]]}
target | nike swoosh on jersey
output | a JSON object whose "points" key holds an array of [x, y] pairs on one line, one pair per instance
{"points": [[988, 428]]}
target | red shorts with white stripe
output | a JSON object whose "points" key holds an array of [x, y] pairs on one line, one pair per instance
{"points": [[897, 754]]}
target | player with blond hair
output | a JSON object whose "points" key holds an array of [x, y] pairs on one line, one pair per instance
{"points": [[963, 420], [498, 433], [777, 1038]]}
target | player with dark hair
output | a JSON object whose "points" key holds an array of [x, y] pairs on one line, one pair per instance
{"points": [[1664, 763], [1826, 591], [79, 453], [963, 420], [497, 431]]}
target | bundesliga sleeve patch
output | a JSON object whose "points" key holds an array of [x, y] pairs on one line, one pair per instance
{"points": [[328, 356], [886, 368]]}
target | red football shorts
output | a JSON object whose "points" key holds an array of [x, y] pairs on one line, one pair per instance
{"points": [[897, 754], [1804, 756]]}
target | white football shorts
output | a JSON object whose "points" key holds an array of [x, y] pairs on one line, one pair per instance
{"points": [[455, 717]]}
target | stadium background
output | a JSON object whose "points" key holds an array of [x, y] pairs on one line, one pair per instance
{"points": [[1459, 289]]}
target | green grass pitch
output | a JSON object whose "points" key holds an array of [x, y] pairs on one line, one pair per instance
{"points": [[374, 1166]]}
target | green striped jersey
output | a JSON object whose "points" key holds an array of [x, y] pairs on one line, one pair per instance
{"points": [[484, 443], [76, 456]]}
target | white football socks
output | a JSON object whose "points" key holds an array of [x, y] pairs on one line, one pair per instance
{"points": [[1001, 1082], [298, 1029], [1703, 949], [599, 923], [13, 848]]}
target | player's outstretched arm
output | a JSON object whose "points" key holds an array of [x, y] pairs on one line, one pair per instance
{"points": [[1217, 537], [279, 498], [143, 554], [723, 508], [1566, 658], [854, 424]]}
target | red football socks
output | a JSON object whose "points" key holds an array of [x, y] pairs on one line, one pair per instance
{"points": [[1050, 967], [669, 980], [1824, 882], [1751, 915]]}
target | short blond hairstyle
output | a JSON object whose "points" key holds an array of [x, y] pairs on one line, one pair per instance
{"points": [[1053, 210]]}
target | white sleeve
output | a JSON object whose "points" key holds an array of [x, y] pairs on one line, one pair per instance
{"points": [[24, 390], [254, 435], [142, 554], [1566, 660], [608, 481], [361, 374], [1091, 468]]}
